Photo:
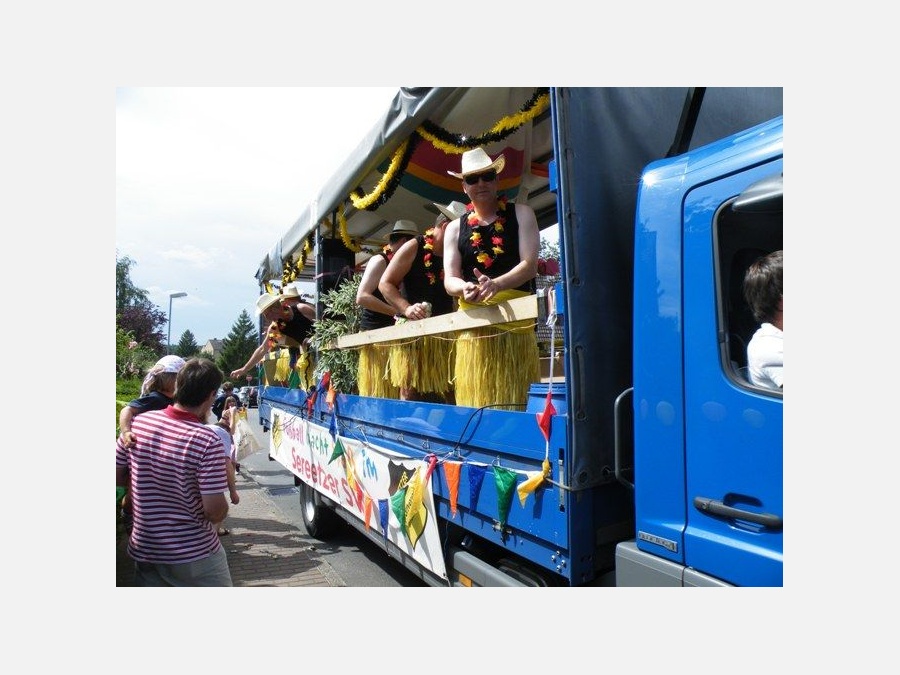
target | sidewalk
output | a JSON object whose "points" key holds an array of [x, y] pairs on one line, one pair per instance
{"points": [[263, 549]]}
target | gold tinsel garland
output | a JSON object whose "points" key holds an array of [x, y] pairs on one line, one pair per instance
{"points": [[441, 139]]}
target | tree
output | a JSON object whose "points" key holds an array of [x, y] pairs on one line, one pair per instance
{"points": [[238, 345], [135, 314], [187, 346], [127, 294]]}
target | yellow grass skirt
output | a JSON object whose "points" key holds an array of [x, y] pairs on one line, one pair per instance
{"points": [[496, 365], [423, 364], [372, 377]]}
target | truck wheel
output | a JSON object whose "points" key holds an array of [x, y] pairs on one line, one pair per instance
{"points": [[319, 519]]}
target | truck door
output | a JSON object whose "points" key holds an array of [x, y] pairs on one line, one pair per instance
{"points": [[733, 430]]}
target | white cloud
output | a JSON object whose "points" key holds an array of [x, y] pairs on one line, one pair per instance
{"points": [[208, 179]]}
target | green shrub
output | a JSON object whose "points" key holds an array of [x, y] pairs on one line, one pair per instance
{"points": [[126, 390]]}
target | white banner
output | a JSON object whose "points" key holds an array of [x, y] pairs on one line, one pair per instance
{"points": [[370, 482]]}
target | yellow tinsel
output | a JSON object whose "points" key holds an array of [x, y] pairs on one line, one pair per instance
{"points": [[369, 199], [342, 223]]}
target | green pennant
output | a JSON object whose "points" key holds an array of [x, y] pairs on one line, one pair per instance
{"points": [[506, 483], [338, 450], [398, 506]]}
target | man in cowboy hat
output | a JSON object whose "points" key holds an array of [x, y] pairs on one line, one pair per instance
{"points": [[376, 313], [491, 256], [291, 323]]}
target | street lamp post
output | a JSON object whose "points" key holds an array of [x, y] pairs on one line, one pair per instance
{"points": [[179, 294]]}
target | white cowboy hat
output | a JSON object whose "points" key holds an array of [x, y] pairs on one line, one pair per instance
{"points": [[266, 300], [452, 211], [404, 227], [290, 292], [478, 161]]}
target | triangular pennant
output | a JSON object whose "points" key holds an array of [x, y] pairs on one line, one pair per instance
{"points": [[543, 418], [451, 475], [310, 402], [367, 510], [398, 506], [432, 462], [414, 510], [322, 387], [476, 476], [332, 427], [293, 380], [505, 481], [533, 482], [383, 513], [329, 399], [338, 450]]}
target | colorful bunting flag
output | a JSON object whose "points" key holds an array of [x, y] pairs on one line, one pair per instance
{"points": [[310, 402], [432, 462], [505, 481], [451, 475], [533, 482], [398, 506], [338, 450], [329, 399], [384, 513], [322, 387], [414, 509], [332, 427], [476, 476], [543, 418], [367, 509]]}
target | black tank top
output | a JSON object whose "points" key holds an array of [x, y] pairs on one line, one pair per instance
{"points": [[298, 327], [506, 240], [369, 320], [425, 280]]}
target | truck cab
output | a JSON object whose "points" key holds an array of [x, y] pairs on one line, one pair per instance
{"points": [[709, 474]]}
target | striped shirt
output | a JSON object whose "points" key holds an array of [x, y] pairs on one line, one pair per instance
{"points": [[176, 459]]}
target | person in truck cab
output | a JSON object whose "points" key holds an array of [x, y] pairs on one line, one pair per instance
{"points": [[763, 292]]}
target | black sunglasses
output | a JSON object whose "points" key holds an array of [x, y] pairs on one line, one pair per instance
{"points": [[487, 177]]}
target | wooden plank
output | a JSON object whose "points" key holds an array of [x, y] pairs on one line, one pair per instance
{"points": [[518, 309]]}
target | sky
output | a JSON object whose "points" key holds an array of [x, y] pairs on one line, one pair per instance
{"points": [[208, 179]]}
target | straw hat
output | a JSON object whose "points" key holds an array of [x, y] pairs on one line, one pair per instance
{"points": [[478, 161], [452, 211], [404, 228], [290, 292], [266, 300]]}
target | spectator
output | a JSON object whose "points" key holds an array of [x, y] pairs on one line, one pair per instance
{"points": [[763, 290], [177, 477], [219, 404], [225, 430], [490, 257], [157, 392]]}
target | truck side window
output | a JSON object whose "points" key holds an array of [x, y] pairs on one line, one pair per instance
{"points": [[746, 227]]}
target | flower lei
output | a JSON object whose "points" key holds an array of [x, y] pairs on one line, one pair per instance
{"points": [[429, 248], [275, 332], [484, 257]]}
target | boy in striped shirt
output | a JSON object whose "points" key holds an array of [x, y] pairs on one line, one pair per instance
{"points": [[177, 480]]}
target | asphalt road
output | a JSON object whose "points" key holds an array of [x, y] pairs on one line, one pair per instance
{"points": [[356, 559]]}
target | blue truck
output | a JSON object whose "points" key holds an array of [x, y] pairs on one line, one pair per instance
{"points": [[665, 462]]}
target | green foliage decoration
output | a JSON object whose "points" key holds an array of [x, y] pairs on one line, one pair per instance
{"points": [[340, 316]]}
